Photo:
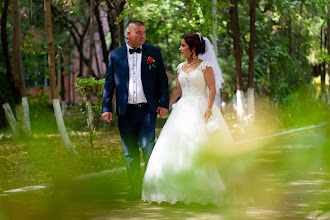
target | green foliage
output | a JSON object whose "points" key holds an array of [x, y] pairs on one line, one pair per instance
{"points": [[166, 21], [303, 108], [282, 28], [278, 71], [88, 88], [92, 91]]}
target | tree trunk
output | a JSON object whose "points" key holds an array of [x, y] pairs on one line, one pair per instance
{"points": [[9, 113], [240, 104], [60, 83], [51, 65], [17, 53], [91, 38], [217, 100], [214, 27], [114, 29], [300, 28], [22, 109], [289, 36], [119, 5], [100, 74], [323, 69], [59, 74], [4, 39], [114, 10], [90, 122], [238, 63], [328, 47], [105, 50], [250, 92], [122, 33]]}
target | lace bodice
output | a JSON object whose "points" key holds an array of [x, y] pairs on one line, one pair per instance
{"points": [[193, 83]]}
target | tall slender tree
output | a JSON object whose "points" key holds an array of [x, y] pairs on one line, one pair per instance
{"points": [[238, 61], [52, 79], [250, 90], [323, 69], [117, 31], [91, 36], [4, 39], [105, 49], [217, 100], [300, 29], [328, 48], [91, 49], [16, 93], [22, 109]]}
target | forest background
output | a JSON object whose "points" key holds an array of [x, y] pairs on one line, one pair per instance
{"points": [[274, 56], [291, 49]]}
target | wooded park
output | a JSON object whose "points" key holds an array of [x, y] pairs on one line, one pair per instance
{"points": [[57, 153]]}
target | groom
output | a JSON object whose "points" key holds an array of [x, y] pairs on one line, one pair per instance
{"points": [[136, 70]]}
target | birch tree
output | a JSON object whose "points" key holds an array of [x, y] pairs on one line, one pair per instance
{"points": [[54, 91]]}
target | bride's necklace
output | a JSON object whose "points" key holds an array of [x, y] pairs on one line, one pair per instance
{"points": [[189, 64]]}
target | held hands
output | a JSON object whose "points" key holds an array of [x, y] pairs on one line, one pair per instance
{"points": [[161, 111], [107, 116], [208, 114]]}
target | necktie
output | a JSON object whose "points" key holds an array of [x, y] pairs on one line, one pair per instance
{"points": [[137, 50]]}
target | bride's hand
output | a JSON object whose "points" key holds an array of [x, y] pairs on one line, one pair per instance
{"points": [[207, 114]]}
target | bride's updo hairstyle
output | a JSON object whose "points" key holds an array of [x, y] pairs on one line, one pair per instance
{"points": [[195, 41]]}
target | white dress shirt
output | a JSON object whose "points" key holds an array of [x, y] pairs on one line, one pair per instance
{"points": [[135, 87]]}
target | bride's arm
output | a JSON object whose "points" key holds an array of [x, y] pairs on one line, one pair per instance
{"points": [[176, 92], [209, 78]]}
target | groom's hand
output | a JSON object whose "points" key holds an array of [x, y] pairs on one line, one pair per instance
{"points": [[107, 116], [161, 111]]}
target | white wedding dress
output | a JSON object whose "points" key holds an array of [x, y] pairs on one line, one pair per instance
{"points": [[175, 172]]}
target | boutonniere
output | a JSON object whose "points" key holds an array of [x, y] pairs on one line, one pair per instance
{"points": [[151, 62]]}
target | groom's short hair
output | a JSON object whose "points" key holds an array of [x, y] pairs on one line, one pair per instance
{"points": [[134, 23]]}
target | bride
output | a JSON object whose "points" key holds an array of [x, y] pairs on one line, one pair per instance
{"points": [[175, 171]]}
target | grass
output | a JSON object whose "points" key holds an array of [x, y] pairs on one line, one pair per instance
{"points": [[291, 173], [40, 158], [290, 180]]}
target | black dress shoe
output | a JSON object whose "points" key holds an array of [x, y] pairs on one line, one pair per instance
{"points": [[133, 196]]}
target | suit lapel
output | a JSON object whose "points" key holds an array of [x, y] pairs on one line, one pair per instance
{"points": [[125, 70], [144, 59]]}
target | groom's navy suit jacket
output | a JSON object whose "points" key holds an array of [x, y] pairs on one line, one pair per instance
{"points": [[154, 80]]}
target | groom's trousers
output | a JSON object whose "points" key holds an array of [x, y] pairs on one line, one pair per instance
{"points": [[137, 129]]}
